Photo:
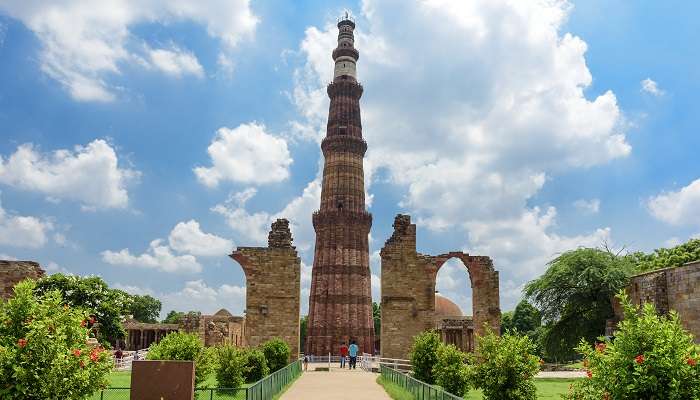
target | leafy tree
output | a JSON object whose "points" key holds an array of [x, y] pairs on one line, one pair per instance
{"points": [[651, 357], [377, 316], [174, 317], [108, 306], [255, 366], [673, 257], [43, 351], [423, 355], [276, 353], [185, 347], [505, 366], [230, 367], [526, 318], [145, 308], [507, 322], [574, 296], [451, 371], [303, 326]]}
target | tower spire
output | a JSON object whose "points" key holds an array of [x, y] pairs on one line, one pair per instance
{"points": [[340, 301]]}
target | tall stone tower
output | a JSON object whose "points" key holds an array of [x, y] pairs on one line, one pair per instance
{"points": [[340, 302]]}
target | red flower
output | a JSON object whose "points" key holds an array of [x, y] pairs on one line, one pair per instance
{"points": [[95, 354], [22, 342], [600, 347], [83, 323], [692, 362], [639, 359], [589, 373], [76, 352]]}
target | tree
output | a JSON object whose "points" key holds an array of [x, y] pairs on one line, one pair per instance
{"points": [[303, 326], [276, 353], [423, 355], [108, 306], [673, 257], [174, 317], [377, 316], [230, 366], [43, 351], [506, 322], [255, 366], [451, 372], [145, 308], [185, 347], [575, 296], [526, 318]]}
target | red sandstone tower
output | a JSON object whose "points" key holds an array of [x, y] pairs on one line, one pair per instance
{"points": [[340, 302]]}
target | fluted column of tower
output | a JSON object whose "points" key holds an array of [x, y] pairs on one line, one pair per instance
{"points": [[340, 302]]}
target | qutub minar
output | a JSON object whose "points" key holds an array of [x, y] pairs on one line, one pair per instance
{"points": [[340, 302]]}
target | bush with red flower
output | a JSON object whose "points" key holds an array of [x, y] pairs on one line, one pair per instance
{"points": [[43, 349], [651, 357]]}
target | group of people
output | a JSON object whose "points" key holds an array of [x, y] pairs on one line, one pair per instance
{"points": [[350, 351]]}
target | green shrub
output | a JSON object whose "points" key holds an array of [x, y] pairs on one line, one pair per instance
{"points": [[43, 349], [185, 347], [423, 355], [276, 353], [651, 357], [230, 367], [450, 370], [255, 366], [505, 367]]}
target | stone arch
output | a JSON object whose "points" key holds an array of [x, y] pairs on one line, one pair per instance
{"points": [[273, 289], [408, 289]]}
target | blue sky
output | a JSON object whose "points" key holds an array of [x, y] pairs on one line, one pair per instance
{"points": [[142, 142]]}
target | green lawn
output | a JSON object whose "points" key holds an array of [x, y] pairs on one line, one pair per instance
{"points": [[549, 388]]}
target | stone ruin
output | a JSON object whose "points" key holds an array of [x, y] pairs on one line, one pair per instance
{"points": [[408, 290], [13, 272], [273, 289]]}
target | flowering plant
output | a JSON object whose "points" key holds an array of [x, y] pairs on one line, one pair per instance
{"points": [[651, 357], [43, 349]]}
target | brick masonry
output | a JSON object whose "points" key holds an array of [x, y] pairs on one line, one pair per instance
{"points": [[273, 289], [13, 272], [669, 289], [408, 289]]}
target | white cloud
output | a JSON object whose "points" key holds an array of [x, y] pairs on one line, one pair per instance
{"points": [[89, 174], [195, 295], [246, 154], [187, 237], [23, 231], [672, 242], [84, 42], [679, 207], [651, 87], [7, 257], [53, 268], [591, 206], [158, 256], [175, 62]]}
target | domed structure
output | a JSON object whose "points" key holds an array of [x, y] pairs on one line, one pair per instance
{"points": [[223, 313], [445, 307]]}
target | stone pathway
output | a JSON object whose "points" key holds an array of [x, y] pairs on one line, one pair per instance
{"points": [[561, 374], [338, 384]]}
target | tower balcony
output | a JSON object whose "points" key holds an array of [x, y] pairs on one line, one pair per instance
{"points": [[343, 143], [347, 52]]}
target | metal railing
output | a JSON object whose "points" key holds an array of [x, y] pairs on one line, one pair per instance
{"points": [[128, 357], [369, 362], [419, 390]]}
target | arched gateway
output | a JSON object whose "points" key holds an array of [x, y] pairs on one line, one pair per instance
{"points": [[408, 289]]}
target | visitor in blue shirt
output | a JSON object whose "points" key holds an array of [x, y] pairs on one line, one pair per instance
{"points": [[352, 350]]}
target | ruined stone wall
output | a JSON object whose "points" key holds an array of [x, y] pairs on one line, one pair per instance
{"points": [[13, 272], [408, 290], [671, 289], [273, 289]]}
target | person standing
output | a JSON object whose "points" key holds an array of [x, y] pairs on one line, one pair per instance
{"points": [[343, 355], [352, 350]]}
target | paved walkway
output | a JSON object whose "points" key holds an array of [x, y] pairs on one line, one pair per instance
{"points": [[561, 374], [338, 384]]}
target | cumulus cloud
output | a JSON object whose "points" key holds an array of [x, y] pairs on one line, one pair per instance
{"points": [[89, 174], [651, 87], [187, 237], [195, 295], [158, 256], [84, 43], [246, 154], [23, 231], [175, 62], [679, 207], [591, 206]]}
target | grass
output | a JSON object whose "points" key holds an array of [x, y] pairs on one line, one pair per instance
{"points": [[548, 388]]}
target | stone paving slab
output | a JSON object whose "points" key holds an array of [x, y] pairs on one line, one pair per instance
{"points": [[336, 384], [561, 374]]}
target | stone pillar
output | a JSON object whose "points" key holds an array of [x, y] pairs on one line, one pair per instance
{"points": [[273, 289]]}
